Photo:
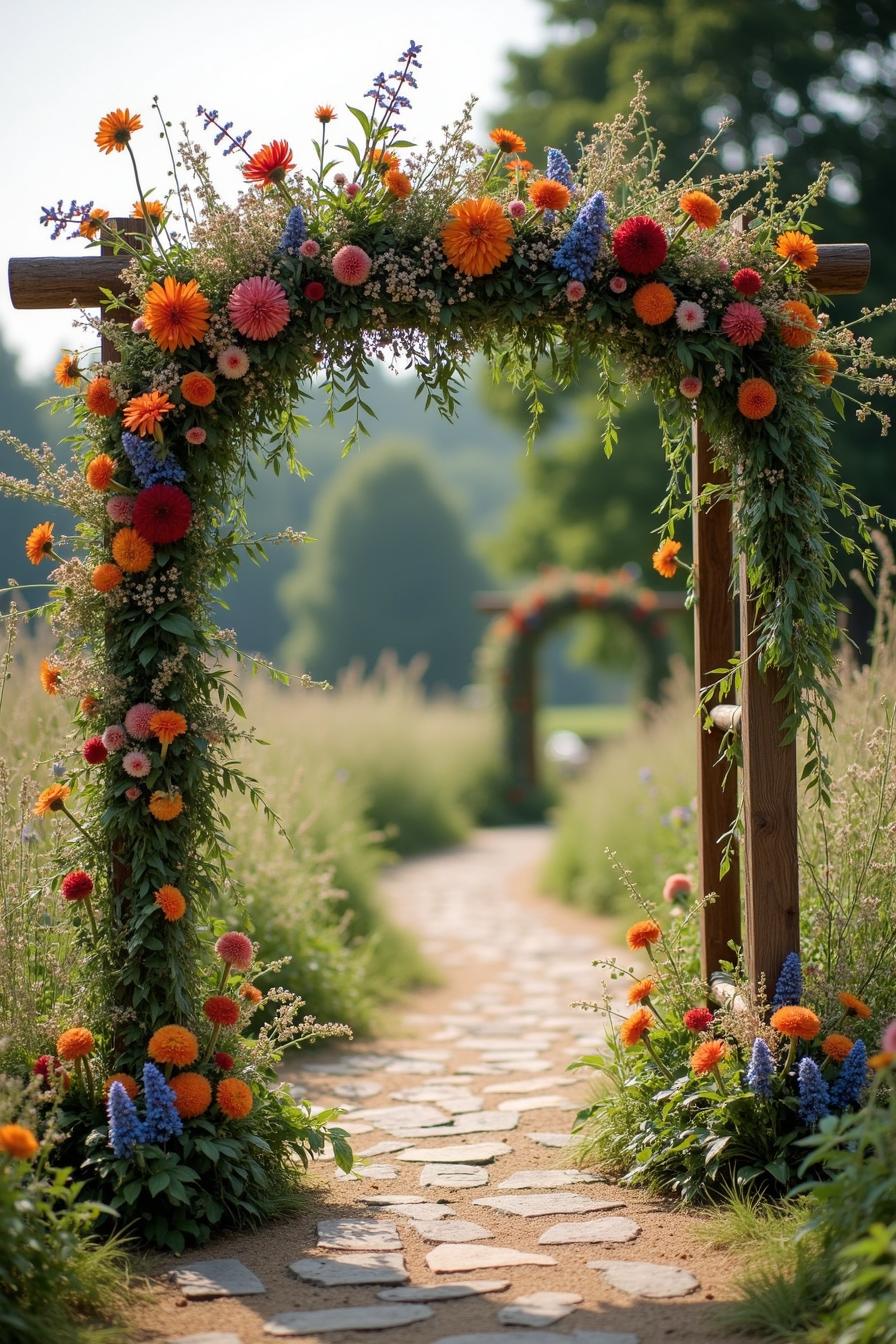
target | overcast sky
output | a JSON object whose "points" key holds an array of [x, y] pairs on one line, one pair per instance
{"points": [[265, 64]]}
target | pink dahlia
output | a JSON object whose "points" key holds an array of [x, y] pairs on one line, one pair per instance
{"points": [[352, 190], [136, 721], [743, 323], [120, 508], [575, 291], [195, 436], [517, 209], [351, 265], [697, 1019], [114, 737], [136, 764], [310, 248], [138, 326], [94, 751], [339, 179], [888, 1040], [676, 886], [258, 308], [689, 315], [233, 363], [235, 949], [747, 281], [690, 386], [618, 284], [133, 793]]}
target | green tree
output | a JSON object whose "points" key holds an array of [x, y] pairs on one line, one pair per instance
{"points": [[392, 569], [19, 415]]}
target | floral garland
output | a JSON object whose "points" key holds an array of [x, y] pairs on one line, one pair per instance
{"points": [[419, 259]]}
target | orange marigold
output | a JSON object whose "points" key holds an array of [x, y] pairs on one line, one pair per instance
{"points": [[39, 543], [234, 1097], [89, 704], [100, 471], [397, 183], [90, 227], [664, 558], [547, 194], [854, 1007], [173, 1045], [192, 1094], [635, 1026], [325, 113], [477, 239], [640, 990], [703, 210], [49, 676], [127, 1081], [198, 389], [756, 399], [115, 130], [251, 993], [882, 1060], [171, 902], [708, 1056], [133, 553], [798, 330], [383, 160], [106, 577], [654, 303], [795, 1021], [67, 372], [75, 1043], [167, 724], [521, 167], [51, 800], [165, 806], [642, 934], [837, 1046], [144, 413], [99, 398], [507, 141], [176, 312], [825, 366], [798, 248], [18, 1141], [270, 164], [154, 210]]}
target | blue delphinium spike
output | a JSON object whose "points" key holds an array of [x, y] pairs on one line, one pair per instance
{"points": [[558, 168], [815, 1100], [294, 233], [789, 987], [125, 1129], [852, 1079], [162, 1120], [149, 467], [578, 253], [761, 1069]]}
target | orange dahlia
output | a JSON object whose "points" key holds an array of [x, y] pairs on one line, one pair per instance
{"points": [[90, 227], [132, 552], [703, 210], [756, 399], [198, 389], [52, 800], [67, 372], [173, 1045], [165, 806], [664, 558], [171, 902], [854, 1007], [100, 471], [325, 113], [708, 1056], [792, 1020], [836, 1046], [17, 1141], [642, 934], [825, 366], [176, 313], [882, 1060], [382, 160], [640, 990], [251, 993], [636, 1025], [798, 248], [116, 129], [507, 141], [397, 183], [50, 675], [477, 238], [797, 332], [106, 577], [192, 1094], [39, 543], [654, 303], [128, 1083], [270, 164], [75, 1043], [154, 210], [166, 725], [547, 194], [234, 1097], [143, 414], [520, 167]]}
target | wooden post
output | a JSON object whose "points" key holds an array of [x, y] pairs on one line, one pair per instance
{"points": [[714, 647], [130, 228]]}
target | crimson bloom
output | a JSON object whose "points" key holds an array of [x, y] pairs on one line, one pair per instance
{"points": [[76, 885], [162, 514], [697, 1019], [640, 245], [314, 291], [94, 751]]}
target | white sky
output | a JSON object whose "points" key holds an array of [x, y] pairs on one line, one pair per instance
{"points": [[265, 64]]}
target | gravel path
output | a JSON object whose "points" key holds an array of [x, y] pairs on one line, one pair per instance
{"points": [[467, 1222]]}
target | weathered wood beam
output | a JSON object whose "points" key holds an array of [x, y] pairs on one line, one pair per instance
{"points": [[843, 268]]}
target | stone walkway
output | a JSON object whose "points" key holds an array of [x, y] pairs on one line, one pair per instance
{"points": [[466, 1222]]}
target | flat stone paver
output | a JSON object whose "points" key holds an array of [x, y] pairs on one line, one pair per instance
{"points": [[592, 1230], [475, 1122], [461, 1259], [545, 1308], [550, 1102], [640, 1278], [542, 1337], [451, 1229], [216, 1278], [545, 1204], [346, 1318], [391, 1199], [452, 1176], [363, 1267], [468, 1154], [422, 1212], [551, 1139], [369, 1171], [357, 1234], [443, 1292], [546, 1180]]}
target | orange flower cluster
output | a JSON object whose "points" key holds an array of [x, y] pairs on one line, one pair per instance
{"points": [[177, 315], [797, 1022], [166, 725], [546, 194], [173, 1045], [18, 1142], [664, 558], [198, 389], [640, 990], [397, 183], [144, 414], [99, 397], [106, 577], [802, 323], [75, 1043], [701, 208], [507, 141], [837, 1046], [756, 398], [654, 303], [50, 675], [798, 248], [171, 902], [133, 554], [192, 1094], [100, 471], [854, 1007], [636, 1025], [51, 800], [642, 934], [708, 1056], [39, 543], [477, 237], [234, 1098], [165, 806], [127, 1081]]}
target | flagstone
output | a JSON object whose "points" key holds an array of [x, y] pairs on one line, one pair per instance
{"points": [[528, 1085], [460, 1259], [592, 1230], [640, 1278], [345, 1318], [390, 1117], [545, 1308], [454, 1229], [216, 1278], [381, 1149], [543, 1205], [545, 1102], [551, 1139], [479, 1122], [546, 1180], [452, 1175], [368, 1171], [391, 1199], [440, 1292], [468, 1154], [358, 1234], [359, 1267], [421, 1212], [357, 1090]]}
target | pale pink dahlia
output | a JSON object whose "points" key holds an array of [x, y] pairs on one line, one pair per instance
{"points": [[676, 886], [575, 291], [689, 315], [136, 721], [136, 764], [517, 209], [258, 308], [309, 249], [120, 508], [195, 436], [133, 793], [114, 737], [233, 363], [352, 190], [236, 950], [618, 284], [138, 326], [339, 179], [351, 265], [743, 323], [690, 386]]}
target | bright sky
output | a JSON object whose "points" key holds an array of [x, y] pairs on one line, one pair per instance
{"points": [[265, 64]]}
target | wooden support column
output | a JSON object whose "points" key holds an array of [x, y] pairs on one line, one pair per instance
{"points": [[770, 811], [714, 647], [134, 230]]}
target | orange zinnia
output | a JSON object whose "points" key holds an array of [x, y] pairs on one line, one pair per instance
{"points": [[116, 129], [176, 313], [128, 1082], [756, 399], [99, 398], [143, 414], [166, 725], [17, 1141], [795, 1021], [165, 806], [192, 1094], [75, 1043], [397, 183], [825, 366], [67, 372], [640, 990], [654, 303], [154, 210], [636, 1025], [170, 901], [507, 141], [90, 227], [521, 166], [798, 248], [664, 558], [270, 164], [132, 552], [854, 1007], [642, 934], [708, 1056], [383, 160], [198, 389], [173, 1045], [325, 113], [798, 331], [837, 1046], [100, 472], [39, 543], [106, 577], [547, 194], [477, 238], [251, 993], [234, 1097], [51, 800], [882, 1060], [49, 676], [703, 210]]}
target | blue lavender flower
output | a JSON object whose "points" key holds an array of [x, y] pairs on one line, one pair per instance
{"points": [[761, 1069], [789, 988], [125, 1129], [295, 232], [162, 1120], [852, 1079], [578, 253], [149, 467], [558, 168], [815, 1099]]}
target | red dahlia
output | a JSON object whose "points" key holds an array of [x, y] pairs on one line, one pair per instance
{"points": [[314, 291], [223, 1060], [697, 1019], [162, 514], [221, 1010], [640, 245], [94, 751], [77, 885], [747, 281]]}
